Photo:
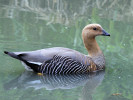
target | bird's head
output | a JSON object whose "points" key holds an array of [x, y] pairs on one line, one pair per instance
{"points": [[93, 30]]}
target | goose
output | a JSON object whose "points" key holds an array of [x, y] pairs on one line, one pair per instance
{"points": [[61, 60]]}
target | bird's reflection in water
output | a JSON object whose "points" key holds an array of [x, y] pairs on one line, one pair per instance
{"points": [[50, 82], [90, 86]]}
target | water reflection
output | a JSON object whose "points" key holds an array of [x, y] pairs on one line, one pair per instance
{"points": [[51, 82]]}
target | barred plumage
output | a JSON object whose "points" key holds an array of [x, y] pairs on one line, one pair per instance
{"points": [[62, 65]]}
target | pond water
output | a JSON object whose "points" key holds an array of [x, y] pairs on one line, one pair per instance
{"points": [[36, 24]]}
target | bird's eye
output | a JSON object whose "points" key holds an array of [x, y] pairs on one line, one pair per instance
{"points": [[94, 28]]}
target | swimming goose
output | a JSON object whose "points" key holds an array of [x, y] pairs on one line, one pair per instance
{"points": [[59, 60]]}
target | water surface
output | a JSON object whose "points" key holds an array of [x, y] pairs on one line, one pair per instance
{"points": [[36, 24]]}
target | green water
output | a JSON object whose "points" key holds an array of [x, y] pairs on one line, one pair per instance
{"points": [[36, 24]]}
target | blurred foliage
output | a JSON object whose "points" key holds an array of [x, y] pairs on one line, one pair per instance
{"points": [[30, 25]]}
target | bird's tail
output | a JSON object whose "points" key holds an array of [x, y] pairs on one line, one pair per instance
{"points": [[19, 57], [13, 55]]}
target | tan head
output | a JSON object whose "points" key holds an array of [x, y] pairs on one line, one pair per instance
{"points": [[88, 34], [92, 30]]}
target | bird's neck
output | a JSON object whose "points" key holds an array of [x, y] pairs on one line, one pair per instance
{"points": [[92, 47], [94, 51]]}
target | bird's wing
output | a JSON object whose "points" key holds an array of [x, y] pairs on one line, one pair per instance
{"points": [[40, 56]]}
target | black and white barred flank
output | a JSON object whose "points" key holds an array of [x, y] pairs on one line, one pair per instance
{"points": [[62, 65]]}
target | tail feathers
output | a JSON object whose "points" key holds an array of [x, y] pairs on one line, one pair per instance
{"points": [[13, 55], [31, 65], [34, 67], [6, 52]]}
